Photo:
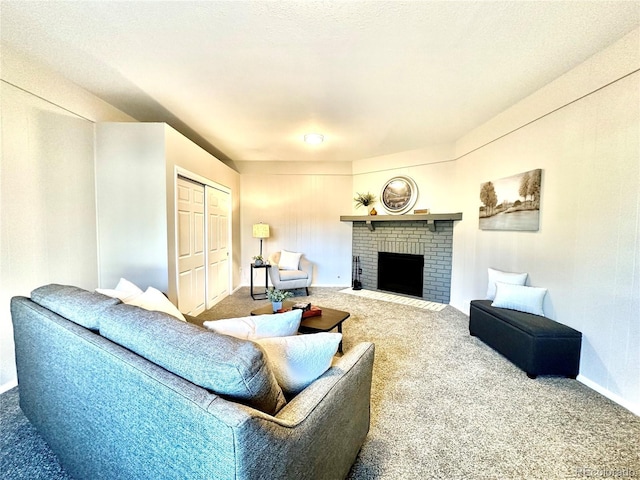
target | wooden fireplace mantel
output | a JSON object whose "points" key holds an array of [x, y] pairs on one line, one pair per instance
{"points": [[430, 219]]}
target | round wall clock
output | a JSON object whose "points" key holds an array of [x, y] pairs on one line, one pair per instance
{"points": [[399, 194]]}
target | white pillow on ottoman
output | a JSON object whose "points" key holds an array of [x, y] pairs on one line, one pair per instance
{"points": [[289, 260], [258, 326], [521, 298], [297, 361], [504, 277]]}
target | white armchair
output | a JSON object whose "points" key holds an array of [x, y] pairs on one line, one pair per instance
{"points": [[286, 273]]}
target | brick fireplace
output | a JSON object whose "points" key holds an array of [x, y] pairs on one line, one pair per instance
{"points": [[408, 237]]}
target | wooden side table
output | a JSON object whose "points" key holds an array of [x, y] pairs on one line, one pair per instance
{"points": [[260, 295]]}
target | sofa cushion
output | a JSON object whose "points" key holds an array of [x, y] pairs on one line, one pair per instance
{"points": [[287, 275], [125, 290], [75, 304], [150, 299], [226, 365], [519, 297], [258, 326], [298, 360], [504, 277], [154, 299], [289, 260]]}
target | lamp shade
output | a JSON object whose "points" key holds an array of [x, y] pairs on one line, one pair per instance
{"points": [[260, 230]]}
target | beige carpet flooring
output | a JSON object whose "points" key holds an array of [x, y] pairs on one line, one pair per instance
{"points": [[393, 298], [446, 406]]}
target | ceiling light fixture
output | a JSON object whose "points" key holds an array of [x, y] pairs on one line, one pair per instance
{"points": [[314, 138]]}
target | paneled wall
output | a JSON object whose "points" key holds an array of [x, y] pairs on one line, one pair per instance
{"points": [[302, 205]]}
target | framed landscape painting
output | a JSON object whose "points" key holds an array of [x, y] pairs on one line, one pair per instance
{"points": [[511, 203]]}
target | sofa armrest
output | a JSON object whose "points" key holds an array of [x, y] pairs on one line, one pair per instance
{"points": [[356, 362], [274, 274], [306, 266], [319, 433]]}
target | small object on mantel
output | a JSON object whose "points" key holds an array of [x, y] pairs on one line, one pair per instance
{"points": [[373, 211], [422, 211]]}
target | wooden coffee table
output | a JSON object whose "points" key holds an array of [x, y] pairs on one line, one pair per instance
{"points": [[326, 322]]}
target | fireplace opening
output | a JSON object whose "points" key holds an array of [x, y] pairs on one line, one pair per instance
{"points": [[400, 273]]}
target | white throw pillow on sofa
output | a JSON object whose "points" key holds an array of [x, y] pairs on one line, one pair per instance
{"points": [[289, 260], [154, 299], [521, 298], [297, 361], [125, 290], [504, 277], [258, 326]]}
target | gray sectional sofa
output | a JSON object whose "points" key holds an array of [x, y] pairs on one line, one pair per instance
{"points": [[123, 393]]}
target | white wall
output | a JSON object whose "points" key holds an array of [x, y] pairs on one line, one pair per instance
{"points": [[132, 204], [302, 204], [587, 251], [47, 196], [432, 168], [135, 181]]}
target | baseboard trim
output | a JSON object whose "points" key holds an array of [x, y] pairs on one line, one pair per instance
{"points": [[5, 387], [632, 407]]}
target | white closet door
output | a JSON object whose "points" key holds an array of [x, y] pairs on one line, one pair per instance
{"points": [[191, 247], [218, 211]]}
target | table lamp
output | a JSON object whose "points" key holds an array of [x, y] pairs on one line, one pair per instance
{"points": [[260, 230]]}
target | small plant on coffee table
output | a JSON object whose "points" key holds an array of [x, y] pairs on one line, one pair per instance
{"points": [[276, 297]]}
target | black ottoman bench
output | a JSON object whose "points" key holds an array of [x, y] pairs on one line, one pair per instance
{"points": [[538, 345]]}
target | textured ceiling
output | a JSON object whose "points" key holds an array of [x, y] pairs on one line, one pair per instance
{"points": [[247, 79]]}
